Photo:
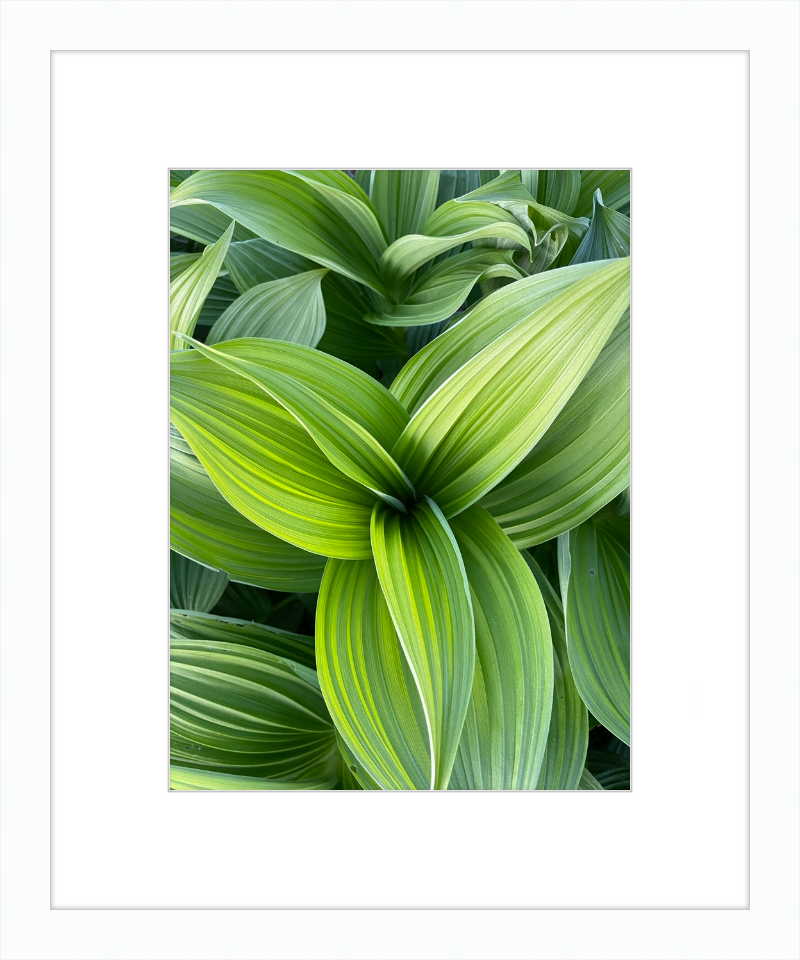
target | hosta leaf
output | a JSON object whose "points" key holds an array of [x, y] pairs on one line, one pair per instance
{"points": [[615, 185], [316, 219], [568, 736], [206, 528], [491, 318], [204, 224], [253, 262], [264, 463], [594, 564], [189, 625], [313, 388], [187, 293], [557, 189], [425, 585], [449, 226], [583, 460], [440, 291], [491, 412], [366, 681], [403, 199], [505, 730], [183, 777], [608, 236], [192, 586], [589, 782], [235, 709], [289, 309]]}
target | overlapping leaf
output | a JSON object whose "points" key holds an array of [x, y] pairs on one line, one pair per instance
{"points": [[314, 389], [480, 423], [206, 528], [193, 586], [505, 731], [188, 291], [568, 736], [288, 309], [594, 565], [608, 236], [423, 579], [614, 184], [204, 224], [238, 710], [403, 199], [184, 777], [313, 213], [583, 460]]}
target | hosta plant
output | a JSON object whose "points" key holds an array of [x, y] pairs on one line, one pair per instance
{"points": [[399, 479]]}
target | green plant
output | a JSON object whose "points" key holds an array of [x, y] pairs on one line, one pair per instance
{"points": [[400, 408]]}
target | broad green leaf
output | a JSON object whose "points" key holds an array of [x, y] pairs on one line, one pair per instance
{"points": [[608, 236], [182, 777], [204, 224], [403, 199], [206, 528], [594, 565], [589, 782], [440, 291], [609, 770], [451, 225], [354, 776], [583, 460], [316, 219], [455, 183], [178, 176], [193, 586], [366, 680], [253, 262], [220, 297], [313, 388], [264, 463], [491, 318], [425, 585], [187, 293], [479, 424], [505, 731], [290, 309], [557, 189], [235, 709], [615, 185], [178, 262], [568, 736], [189, 625]]}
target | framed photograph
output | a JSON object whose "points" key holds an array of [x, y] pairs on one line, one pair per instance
{"points": [[698, 102]]}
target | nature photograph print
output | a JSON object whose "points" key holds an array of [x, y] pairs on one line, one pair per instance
{"points": [[399, 479]]}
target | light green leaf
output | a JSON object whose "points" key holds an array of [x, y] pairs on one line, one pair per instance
{"points": [[568, 736], [478, 425], [290, 309], [557, 189], [204, 224], [264, 463], [189, 625], [491, 318], [589, 782], [366, 680], [253, 262], [354, 776], [505, 731], [178, 262], [583, 460], [594, 568], [451, 225], [608, 236], [182, 777], [192, 586], [206, 528], [187, 293], [615, 185], [235, 709], [305, 211], [403, 199], [425, 585], [440, 291], [313, 388]]}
